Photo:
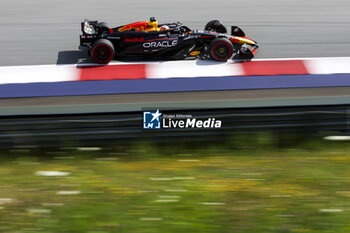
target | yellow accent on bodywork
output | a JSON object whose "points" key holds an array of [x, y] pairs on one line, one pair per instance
{"points": [[194, 53], [242, 40]]}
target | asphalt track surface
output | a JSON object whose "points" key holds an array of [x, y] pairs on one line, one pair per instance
{"points": [[173, 97], [46, 32], [184, 97]]}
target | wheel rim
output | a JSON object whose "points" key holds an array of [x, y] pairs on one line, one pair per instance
{"points": [[102, 53], [221, 51]]}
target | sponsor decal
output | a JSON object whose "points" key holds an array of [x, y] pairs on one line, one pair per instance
{"points": [[88, 36], [158, 120], [194, 53], [192, 37], [161, 44], [207, 37], [135, 39]]}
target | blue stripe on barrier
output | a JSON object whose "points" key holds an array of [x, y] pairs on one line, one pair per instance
{"points": [[171, 85]]}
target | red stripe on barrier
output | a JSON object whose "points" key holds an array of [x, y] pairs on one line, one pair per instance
{"points": [[274, 67], [110, 72]]}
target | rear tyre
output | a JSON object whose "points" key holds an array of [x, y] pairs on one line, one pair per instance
{"points": [[102, 51], [215, 25], [221, 49]]}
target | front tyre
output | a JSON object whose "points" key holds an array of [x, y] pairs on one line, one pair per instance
{"points": [[102, 51], [221, 49]]}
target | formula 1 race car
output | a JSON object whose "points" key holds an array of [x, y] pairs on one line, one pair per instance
{"points": [[173, 41]]}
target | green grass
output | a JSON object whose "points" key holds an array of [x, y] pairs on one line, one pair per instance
{"points": [[179, 188]]}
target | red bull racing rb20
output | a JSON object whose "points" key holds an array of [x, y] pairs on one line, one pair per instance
{"points": [[148, 40]]}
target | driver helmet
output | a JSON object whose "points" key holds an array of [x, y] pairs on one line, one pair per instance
{"points": [[152, 23], [164, 28]]}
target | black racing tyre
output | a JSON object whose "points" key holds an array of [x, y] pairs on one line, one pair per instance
{"points": [[102, 51], [221, 49], [215, 25]]}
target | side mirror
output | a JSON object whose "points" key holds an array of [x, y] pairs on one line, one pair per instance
{"points": [[236, 31]]}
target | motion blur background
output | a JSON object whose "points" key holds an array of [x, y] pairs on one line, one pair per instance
{"points": [[277, 175], [34, 32]]}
